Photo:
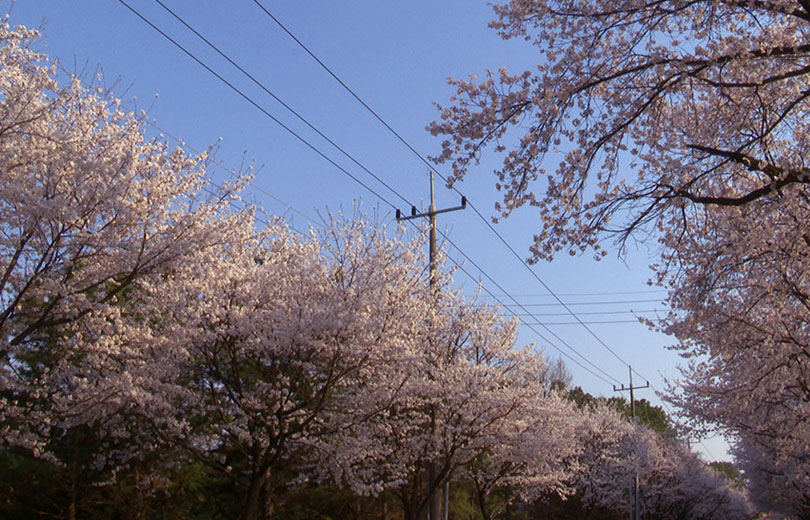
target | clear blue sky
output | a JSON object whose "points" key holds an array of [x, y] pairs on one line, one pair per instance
{"points": [[397, 57]]}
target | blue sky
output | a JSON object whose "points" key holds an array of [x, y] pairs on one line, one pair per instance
{"points": [[396, 56]]}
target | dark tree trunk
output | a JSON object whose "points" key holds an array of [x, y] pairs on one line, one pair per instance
{"points": [[255, 507]]}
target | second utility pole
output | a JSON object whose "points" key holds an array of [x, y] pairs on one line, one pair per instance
{"points": [[435, 498], [635, 509]]}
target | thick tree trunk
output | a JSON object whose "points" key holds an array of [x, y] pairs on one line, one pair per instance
{"points": [[435, 489], [255, 507], [72, 506], [74, 477], [412, 506]]}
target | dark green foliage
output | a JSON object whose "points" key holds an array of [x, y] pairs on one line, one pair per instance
{"points": [[654, 417], [555, 508], [35, 488], [730, 472], [30, 487]]}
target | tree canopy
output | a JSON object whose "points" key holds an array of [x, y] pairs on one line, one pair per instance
{"points": [[638, 113]]}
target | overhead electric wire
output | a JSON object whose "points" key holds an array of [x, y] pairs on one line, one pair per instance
{"points": [[278, 99], [603, 293], [610, 302], [231, 171], [596, 313], [255, 104], [220, 190], [672, 415], [590, 322], [529, 325], [340, 81], [431, 166], [265, 89], [557, 337]]}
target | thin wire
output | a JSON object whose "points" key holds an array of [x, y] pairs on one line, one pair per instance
{"points": [[220, 190], [279, 100], [546, 286], [606, 293], [518, 304], [256, 105], [672, 415], [597, 313], [538, 333], [592, 322], [611, 302], [342, 84], [424, 160], [312, 147], [232, 172]]}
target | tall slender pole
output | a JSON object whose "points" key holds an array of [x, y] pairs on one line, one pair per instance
{"points": [[434, 468], [446, 499], [635, 475], [635, 503], [432, 254], [433, 474]]}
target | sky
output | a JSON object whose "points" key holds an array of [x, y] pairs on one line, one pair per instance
{"points": [[396, 57]]}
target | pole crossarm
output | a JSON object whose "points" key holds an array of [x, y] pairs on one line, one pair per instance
{"points": [[627, 388], [431, 213]]}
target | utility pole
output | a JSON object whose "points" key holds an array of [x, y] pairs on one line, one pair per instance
{"points": [[435, 500], [635, 505]]}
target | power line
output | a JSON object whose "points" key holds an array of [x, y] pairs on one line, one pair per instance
{"points": [[232, 172], [319, 152], [279, 100], [261, 85], [672, 415], [611, 302], [547, 287], [591, 322], [255, 104], [596, 313], [220, 190], [345, 86], [530, 325], [219, 165], [603, 293]]}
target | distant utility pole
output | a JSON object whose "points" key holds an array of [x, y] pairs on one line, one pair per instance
{"points": [[435, 506], [635, 506]]}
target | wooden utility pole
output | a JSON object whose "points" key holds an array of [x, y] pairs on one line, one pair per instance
{"points": [[635, 505], [435, 500]]}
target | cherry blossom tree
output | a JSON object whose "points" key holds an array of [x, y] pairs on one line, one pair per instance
{"points": [[777, 480], [741, 307], [638, 113], [609, 456], [673, 482], [89, 209], [465, 400], [266, 350], [534, 457]]}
